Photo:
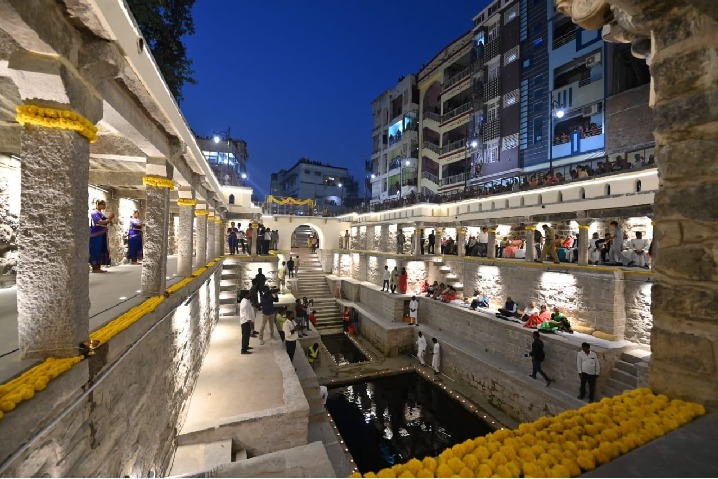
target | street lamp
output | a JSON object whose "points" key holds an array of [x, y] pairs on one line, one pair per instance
{"points": [[470, 147], [558, 112], [401, 175]]}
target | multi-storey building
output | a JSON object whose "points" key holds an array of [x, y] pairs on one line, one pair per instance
{"points": [[227, 157], [395, 141], [307, 179]]}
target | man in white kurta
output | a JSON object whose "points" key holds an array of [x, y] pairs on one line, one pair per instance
{"points": [[436, 360], [638, 248], [414, 311], [421, 348]]}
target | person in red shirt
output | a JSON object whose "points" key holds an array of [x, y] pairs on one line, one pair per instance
{"points": [[313, 318]]}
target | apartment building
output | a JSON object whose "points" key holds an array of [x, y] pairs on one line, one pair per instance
{"points": [[227, 157], [308, 179], [395, 140]]}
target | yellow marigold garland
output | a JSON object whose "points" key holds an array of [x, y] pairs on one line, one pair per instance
{"points": [[201, 212], [55, 118], [158, 181], [566, 445], [186, 202]]}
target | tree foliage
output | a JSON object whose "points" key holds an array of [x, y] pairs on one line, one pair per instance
{"points": [[163, 24]]}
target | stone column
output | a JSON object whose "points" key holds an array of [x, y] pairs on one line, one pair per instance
{"points": [[154, 237], [201, 217], [220, 236], [171, 234], [185, 236], [118, 229], [417, 239], [491, 247], [255, 225], [211, 237], [583, 243], [530, 245], [461, 241], [437, 240], [679, 39]]}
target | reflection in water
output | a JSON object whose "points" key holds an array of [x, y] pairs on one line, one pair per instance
{"points": [[390, 420], [342, 349]]}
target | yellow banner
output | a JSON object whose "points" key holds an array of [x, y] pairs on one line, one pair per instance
{"points": [[289, 201]]}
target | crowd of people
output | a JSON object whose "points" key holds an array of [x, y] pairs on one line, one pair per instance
{"points": [[237, 238], [586, 130]]}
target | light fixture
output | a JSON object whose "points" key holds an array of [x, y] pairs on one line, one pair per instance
{"points": [[474, 143], [373, 176], [408, 162], [560, 113], [216, 138], [339, 185], [244, 176]]}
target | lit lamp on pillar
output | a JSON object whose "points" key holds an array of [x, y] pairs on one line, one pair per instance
{"points": [[556, 112]]}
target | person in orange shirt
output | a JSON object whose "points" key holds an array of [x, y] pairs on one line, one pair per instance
{"points": [[346, 318]]}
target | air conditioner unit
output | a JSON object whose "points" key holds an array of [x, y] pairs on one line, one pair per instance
{"points": [[593, 59], [589, 110]]}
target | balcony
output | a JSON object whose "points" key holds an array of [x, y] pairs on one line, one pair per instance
{"points": [[432, 147], [453, 180], [455, 79], [580, 93], [430, 176], [453, 146], [563, 39], [456, 112]]}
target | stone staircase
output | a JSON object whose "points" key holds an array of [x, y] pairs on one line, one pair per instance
{"points": [[194, 458], [624, 375], [447, 276], [228, 285], [300, 236], [312, 283]]}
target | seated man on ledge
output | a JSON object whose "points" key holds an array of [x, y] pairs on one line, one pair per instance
{"points": [[509, 310], [439, 291], [479, 301], [536, 319], [431, 290]]}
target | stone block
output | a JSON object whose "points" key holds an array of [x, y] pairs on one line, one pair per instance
{"points": [[696, 304], [687, 159], [689, 352], [692, 262], [684, 73]]}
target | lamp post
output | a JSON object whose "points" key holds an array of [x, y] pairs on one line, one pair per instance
{"points": [[401, 175], [470, 147], [558, 112]]}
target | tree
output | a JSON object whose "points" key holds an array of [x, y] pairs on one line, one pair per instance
{"points": [[163, 24]]}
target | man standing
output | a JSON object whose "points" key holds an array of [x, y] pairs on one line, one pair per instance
{"points": [[290, 267], [385, 284], [549, 246], [282, 276], [394, 279], [432, 237], [400, 240], [249, 234], [483, 239], [290, 335], [537, 356], [296, 265], [615, 257], [421, 241], [436, 359], [267, 240], [246, 318], [347, 239], [538, 237], [421, 348], [267, 302], [414, 313], [588, 370], [260, 279], [355, 321], [275, 239]]}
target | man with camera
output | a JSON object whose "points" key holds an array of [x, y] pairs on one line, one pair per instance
{"points": [[537, 356]]}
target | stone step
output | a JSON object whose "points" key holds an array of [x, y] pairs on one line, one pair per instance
{"points": [[228, 309], [618, 385], [201, 457], [231, 300], [445, 269], [629, 368], [634, 358], [451, 276], [624, 377], [239, 455], [609, 392]]}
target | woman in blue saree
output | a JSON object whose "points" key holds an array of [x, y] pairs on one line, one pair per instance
{"points": [[99, 250], [134, 238]]}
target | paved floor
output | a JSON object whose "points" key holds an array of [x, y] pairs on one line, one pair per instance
{"points": [[111, 294]]}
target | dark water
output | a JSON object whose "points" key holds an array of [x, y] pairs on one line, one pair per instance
{"points": [[342, 349], [390, 420]]}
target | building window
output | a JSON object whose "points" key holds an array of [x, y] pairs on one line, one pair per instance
{"points": [[493, 8], [494, 71], [492, 152], [492, 111], [307, 172], [231, 199], [538, 79], [511, 55], [538, 126], [494, 32], [511, 14], [527, 62], [511, 98], [510, 142]]}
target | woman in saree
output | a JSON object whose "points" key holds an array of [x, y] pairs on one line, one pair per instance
{"points": [[99, 249], [134, 238], [403, 281]]}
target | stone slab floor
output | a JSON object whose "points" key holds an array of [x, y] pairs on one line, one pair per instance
{"points": [[106, 303]]}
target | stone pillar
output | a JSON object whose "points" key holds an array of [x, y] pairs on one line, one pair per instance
{"points": [[255, 225], [679, 40], [220, 238], [154, 237], [417, 239], [437, 240], [211, 237], [461, 241], [491, 247], [201, 215], [530, 245], [171, 234], [185, 236], [117, 231], [583, 243]]}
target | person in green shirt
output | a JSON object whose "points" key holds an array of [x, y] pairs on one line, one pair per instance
{"points": [[560, 321], [313, 353]]}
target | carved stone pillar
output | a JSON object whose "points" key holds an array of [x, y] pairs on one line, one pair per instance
{"points": [[220, 239], [461, 241], [491, 247], [211, 237], [185, 239], [253, 243], [583, 242], [154, 236], [530, 245], [201, 215], [417, 239], [437, 240]]}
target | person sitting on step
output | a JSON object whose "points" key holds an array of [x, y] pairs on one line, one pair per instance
{"points": [[530, 311], [509, 310], [535, 320], [479, 301], [448, 295], [439, 291]]}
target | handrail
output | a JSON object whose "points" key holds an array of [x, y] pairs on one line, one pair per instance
{"points": [[456, 112], [432, 146], [456, 78], [453, 146], [431, 116], [430, 176], [450, 180]]}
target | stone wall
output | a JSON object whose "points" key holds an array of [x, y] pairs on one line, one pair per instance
{"points": [[629, 120], [248, 270], [9, 212], [116, 414], [639, 320]]}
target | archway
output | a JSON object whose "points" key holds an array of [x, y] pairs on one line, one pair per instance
{"points": [[302, 233]]}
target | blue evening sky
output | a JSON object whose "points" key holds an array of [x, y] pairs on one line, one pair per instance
{"points": [[296, 79]]}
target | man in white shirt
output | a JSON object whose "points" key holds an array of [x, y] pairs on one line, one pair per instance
{"points": [[637, 250], [421, 348], [436, 359], [246, 318], [386, 277], [282, 275], [414, 311], [483, 240], [589, 369], [291, 335]]}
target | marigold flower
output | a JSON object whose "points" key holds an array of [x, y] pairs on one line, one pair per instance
{"points": [[425, 473], [586, 461], [481, 453], [406, 474], [445, 455], [573, 469], [414, 465], [485, 470], [386, 472], [466, 472], [430, 464], [455, 464], [444, 471], [356, 474], [471, 461]]}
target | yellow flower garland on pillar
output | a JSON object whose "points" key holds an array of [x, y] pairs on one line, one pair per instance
{"points": [[56, 118], [201, 212], [158, 181], [186, 202]]}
